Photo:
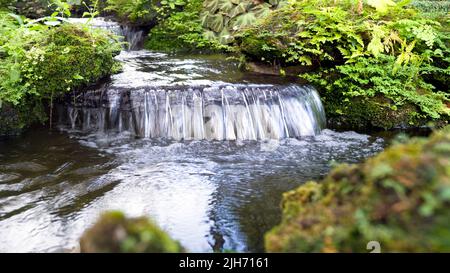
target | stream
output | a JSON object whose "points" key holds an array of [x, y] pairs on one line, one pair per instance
{"points": [[191, 141]]}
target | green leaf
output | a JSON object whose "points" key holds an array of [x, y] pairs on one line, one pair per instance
{"points": [[14, 74], [239, 9], [381, 5], [17, 17], [78, 77], [211, 5], [216, 22], [226, 6], [244, 20]]}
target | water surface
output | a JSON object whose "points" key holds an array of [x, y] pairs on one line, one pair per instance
{"points": [[210, 195]]}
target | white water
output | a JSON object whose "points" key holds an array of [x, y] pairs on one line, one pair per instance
{"points": [[230, 112]]}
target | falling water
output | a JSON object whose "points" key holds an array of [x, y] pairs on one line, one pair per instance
{"points": [[134, 36], [230, 112]]}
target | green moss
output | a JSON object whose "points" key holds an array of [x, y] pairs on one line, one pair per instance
{"points": [[115, 233], [40, 63], [68, 60], [400, 198], [369, 113]]}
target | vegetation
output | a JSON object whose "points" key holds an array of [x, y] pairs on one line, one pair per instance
{"points": [[379, 64], [436, 6], [133, 11], [223, 18], [400, 198], [42, 60], [390, 55], [142, 12], [207, 25], [114, 233], [182, 31]]}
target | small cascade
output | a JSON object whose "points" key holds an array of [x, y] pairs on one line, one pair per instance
{"points": [[134, 36], [229, 112]]}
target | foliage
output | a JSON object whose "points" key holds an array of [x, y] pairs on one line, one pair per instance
{"points": [[368, 77], [114, 233], [182, 31], [432, 6], [400, 198], [382, 49], [143, 11], [222, 18], [40, 62], [133, 10]]}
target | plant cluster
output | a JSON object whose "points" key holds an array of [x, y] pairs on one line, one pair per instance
{"points": [[182, 31], [143, 12], [222, 18], [115, 233]]}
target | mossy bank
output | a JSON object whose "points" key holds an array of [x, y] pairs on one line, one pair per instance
{"points": [[399, 198]]}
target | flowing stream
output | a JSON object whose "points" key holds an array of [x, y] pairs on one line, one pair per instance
{"points": [[202, 148]]}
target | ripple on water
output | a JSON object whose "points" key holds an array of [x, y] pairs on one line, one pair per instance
{"points": [[207, 194]]}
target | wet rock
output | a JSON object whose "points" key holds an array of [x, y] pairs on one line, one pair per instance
{"points": [[264, 68], [114, 233], [10, 121], [400, 199], [33, 8], [87, 171], [24, 167], [7, 177]]}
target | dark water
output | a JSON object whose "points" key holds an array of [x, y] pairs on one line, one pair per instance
{"points": [[210, 195]]}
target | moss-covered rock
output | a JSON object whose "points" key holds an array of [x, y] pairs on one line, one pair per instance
{"points": [[10, 123], [370, 113], [115, 233], [399, 198], [134, 12], [15, 119], [39, 63]]}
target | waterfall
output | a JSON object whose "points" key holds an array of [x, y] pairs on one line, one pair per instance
{"points": [[134, 37], [146, 100], [228, 112]]}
